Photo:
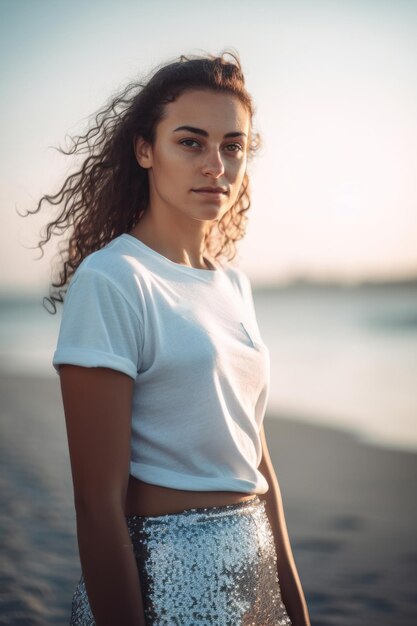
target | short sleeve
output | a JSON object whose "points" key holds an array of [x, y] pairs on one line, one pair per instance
{"points": [[99, 326]]}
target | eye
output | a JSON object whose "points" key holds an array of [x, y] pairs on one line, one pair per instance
{"points": [[233, 147], [188, 143]]}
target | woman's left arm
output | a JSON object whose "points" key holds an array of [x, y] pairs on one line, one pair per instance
{"points": [[291, 589]]}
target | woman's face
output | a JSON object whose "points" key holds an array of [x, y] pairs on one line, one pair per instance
{"points": [[197, 161]]}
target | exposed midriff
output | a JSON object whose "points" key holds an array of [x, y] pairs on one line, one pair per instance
{"points": [[145, 499]]}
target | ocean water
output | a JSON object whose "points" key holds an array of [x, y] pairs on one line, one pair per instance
{"points": [[340, 356], [345, 357]]}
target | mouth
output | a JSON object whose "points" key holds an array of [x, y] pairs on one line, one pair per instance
{"points": [[213, 191]]}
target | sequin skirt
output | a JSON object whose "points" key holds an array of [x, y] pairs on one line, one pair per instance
{"points": [[203, 566]]}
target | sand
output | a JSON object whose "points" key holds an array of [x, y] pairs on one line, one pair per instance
{"points": [[350, 510]]}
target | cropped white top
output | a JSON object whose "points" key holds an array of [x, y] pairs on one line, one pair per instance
{"points": [[190, 340]]}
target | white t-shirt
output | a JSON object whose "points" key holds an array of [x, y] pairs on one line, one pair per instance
{"points": [[190, 340]]}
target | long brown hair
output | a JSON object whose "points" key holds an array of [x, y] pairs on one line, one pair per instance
{"points": [[108, 194]]}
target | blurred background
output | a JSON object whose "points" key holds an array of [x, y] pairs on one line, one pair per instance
{"points": [[331, 249]]}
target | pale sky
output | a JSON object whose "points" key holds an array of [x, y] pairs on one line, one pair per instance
{"points": [[335, 87]]}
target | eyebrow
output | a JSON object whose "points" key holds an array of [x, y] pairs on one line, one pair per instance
{"points": [[204, 133]]}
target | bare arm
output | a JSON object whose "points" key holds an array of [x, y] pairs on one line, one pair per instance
{"points": [[97, 405], [291, 590]]}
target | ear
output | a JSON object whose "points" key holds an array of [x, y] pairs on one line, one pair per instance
{"points": [[143, 152]]}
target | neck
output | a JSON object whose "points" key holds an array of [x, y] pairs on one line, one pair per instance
{"points": [[181, 243]]}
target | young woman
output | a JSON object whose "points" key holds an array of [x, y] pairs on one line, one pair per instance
{"points": [[163, 372]]}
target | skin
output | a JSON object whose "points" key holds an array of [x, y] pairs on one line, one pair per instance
{"points": [[179, 163]]}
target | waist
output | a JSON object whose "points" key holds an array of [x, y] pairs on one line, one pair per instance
{"points": [[146, 499]]}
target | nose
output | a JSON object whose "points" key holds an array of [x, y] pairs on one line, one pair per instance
{"points": [[213, 165]]}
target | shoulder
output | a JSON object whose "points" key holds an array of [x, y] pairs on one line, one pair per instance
{"points": [[238, 278], [112, 262], [110, 272]]}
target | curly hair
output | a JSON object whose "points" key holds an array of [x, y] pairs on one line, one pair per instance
{"points": [[108, 194]]}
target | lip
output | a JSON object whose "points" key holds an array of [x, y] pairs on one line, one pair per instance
{"points": [[216, 194], [212, 190]]}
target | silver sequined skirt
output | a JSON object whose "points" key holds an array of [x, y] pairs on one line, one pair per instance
{"points": [[203, 566]]}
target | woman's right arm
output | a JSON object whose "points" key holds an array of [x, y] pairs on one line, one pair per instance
{"points": [[97, 406]]}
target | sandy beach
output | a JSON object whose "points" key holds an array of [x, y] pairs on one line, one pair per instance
{"points": [[350, 509]]}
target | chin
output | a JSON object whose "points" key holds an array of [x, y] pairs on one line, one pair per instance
{"points": [[211, 214], [207, 212]]}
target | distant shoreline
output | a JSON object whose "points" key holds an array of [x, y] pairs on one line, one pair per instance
{"points": [[20, 296], [309, 283]]}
